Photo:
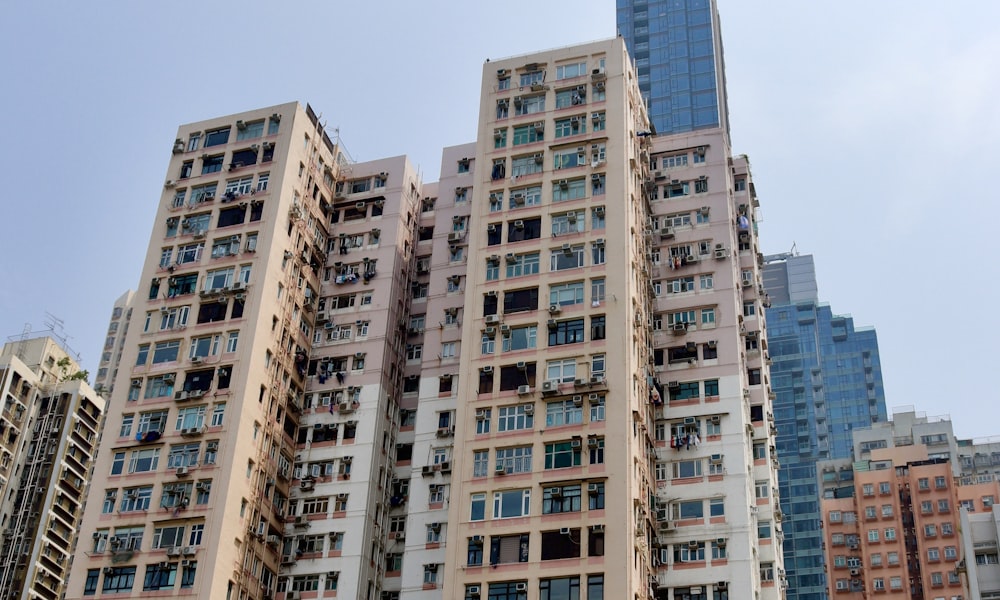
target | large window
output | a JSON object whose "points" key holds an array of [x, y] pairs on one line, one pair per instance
{"points": [[520, 338], [567, 498], [514, 460], [160, 576], [527, 105], [572, 222], [567, 257], [564, 588], [566, 332], [568, 189], [562, 455], [166, 351], [563, 412], [527, 165], [519, 265], [118, 580], [512, 418], [511, 503], [520, 300], [566, 294]]}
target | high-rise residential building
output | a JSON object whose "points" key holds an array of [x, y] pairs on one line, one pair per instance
{"points": [[900, 525], [114, 344], [522, 380], [49, 432], [192, 488], [827, 381], [615, 438], [677, 48]]}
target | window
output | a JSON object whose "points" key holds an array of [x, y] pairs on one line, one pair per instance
{"points": [[511, 503], [570, 126], [514, 460], [566, 294], [512, 418], [569, 189], [567, 498], [144, 461], [571, 70], [561, 455], [520, 338], [160, 576], [565, 412], [890, 534], [522, 264], [567, 158], [567, 257], [766, 571], [520, 300], [118, 580], [522, 166], [597, 409], [598, 120], [873, 535], [561, 370], [529, 196], [933, 554], [566, 332], [564, 588], [528, 134], [527, 105], [166, 351], [477, 507], [567, 223], [211, 164]]}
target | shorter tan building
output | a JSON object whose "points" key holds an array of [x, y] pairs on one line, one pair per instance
{"points": [[899, 534], [49, 427]]}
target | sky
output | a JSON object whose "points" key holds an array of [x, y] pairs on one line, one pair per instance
{"points": [[870, 126]]}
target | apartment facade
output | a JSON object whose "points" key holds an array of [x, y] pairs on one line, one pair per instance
{"points": [[114, 344], [574, 235], [827, 381], [193, 482], [677, 47], [50, 427]]}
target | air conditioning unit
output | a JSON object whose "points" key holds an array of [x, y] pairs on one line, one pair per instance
{"points": [[550, 387], [578, 400], [554, 309], [523, 390], [487, 369], [492, 319], [501, 470], [454, 236], [667, 526], [721, 253], [593, 443], [715, 459], [529, 409], [182, 471], [481, 414], [576, 443], [521, 587], [690, 258], [505, 329], [519, 224], [596, 380], [490, 331], [593, 489], [594, 397], [473, 590]]}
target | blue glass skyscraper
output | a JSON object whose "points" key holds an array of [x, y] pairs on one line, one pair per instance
{"points": [[677, 48], [826, 376]]}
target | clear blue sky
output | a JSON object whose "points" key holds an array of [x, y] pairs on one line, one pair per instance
{"points": [[871, 127]]}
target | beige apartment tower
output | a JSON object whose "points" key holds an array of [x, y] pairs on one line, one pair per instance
{"points": [[614, 435], [192, 489]]}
